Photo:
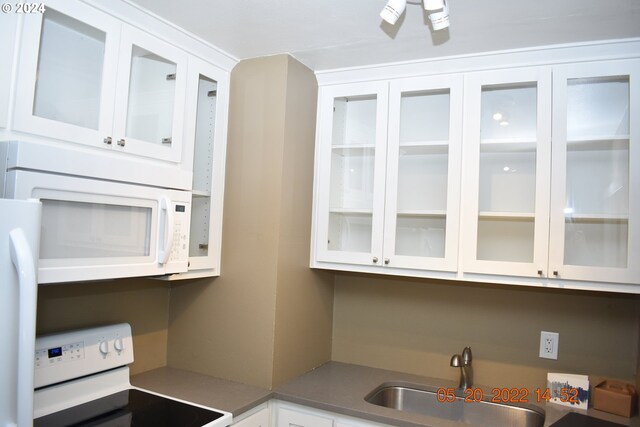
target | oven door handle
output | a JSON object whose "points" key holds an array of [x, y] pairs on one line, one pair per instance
{"points": [[22, 259], [166, 229]]}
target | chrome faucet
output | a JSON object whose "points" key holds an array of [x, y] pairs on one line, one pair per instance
{"points": [[464, 363]]}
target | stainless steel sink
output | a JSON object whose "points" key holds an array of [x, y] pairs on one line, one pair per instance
{"points": [[484, 413]]}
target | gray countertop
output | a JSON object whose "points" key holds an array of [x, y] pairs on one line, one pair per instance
{"points": [[334, 386]]}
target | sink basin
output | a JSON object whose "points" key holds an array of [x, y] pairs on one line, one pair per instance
{"points": [[482, 413]]}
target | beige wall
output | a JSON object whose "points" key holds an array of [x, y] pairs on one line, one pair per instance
{"points": [[268, 317], [416, 325], [142, 303]]}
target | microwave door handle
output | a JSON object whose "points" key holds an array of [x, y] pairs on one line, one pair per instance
{"points": [[22, 258], [167, 223]]}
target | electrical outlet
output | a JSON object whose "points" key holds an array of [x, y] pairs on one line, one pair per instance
{"points": [[549, 345]]}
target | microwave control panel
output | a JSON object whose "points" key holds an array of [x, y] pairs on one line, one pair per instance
{"points": [[74, 354], [179, 251]]}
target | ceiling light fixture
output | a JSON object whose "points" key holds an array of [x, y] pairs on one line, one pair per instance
{"points": [[438, 12], [392, 10]]}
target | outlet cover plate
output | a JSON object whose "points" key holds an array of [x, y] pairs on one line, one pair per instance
{"points": [[549, 345]]}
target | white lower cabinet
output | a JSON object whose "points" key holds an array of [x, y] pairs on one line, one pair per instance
{"points": [[295, 418], [259, 416], [276, 413], [292, 415]]}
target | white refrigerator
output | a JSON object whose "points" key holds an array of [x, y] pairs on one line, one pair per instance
{"points": [[19, 246]]}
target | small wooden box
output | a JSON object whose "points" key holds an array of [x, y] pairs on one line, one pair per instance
{"points": [[615, 397]]}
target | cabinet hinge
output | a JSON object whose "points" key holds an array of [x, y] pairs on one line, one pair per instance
{"points": [[212, 93], [166, 140], [171, 76]]}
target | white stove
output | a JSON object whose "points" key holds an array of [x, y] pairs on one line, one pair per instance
{"points": [[82, 379]]}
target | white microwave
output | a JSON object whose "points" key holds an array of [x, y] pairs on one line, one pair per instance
{"points": [[95, 229]]}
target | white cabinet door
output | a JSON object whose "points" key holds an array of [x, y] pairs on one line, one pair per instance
{"points": [[595, 207], [506, 168], [150, 96], [206, 137], [67, 74], [290, 418], [87, 78], [423, 173], [350, 173], [260, 418]]}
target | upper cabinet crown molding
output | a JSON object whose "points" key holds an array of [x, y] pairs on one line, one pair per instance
{"points": [[165, 30], [514, 58]]}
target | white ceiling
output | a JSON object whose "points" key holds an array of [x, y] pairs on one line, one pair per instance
{"points": [[328, 34]]}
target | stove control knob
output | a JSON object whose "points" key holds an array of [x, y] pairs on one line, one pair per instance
{"points": [[104, 347], [118, 344]]}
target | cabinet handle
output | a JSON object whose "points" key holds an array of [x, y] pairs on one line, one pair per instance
{"points": [[539, 272], [107, 140], [375, 259], [121, 142], [386, 261], [555, 273]]}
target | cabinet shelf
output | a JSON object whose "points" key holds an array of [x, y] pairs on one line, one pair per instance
{"points": [[200, 193], [524, 145], [597, 217], [422, 213], [595, 143], [506, 215], [424, 147], [354, 150], [351, 211]]}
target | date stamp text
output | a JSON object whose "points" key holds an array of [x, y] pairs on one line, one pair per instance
{"points": [[507, 395]]}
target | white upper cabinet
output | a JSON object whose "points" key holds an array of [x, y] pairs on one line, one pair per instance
{"points": [[423, 173], [66, 80], [387, 175], [150, 96], [515, 168], [595, 205], [352, 143], [206, 134], [88, 78], [507, 171]]}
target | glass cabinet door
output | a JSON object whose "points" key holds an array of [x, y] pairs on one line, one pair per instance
{"points": [[423, 173], [350, 173], [507, 172], [151, 92], [595, 211], [207, 96], [68, 59]]}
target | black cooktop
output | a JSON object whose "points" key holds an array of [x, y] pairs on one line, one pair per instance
{"points": [[130, 408]]}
